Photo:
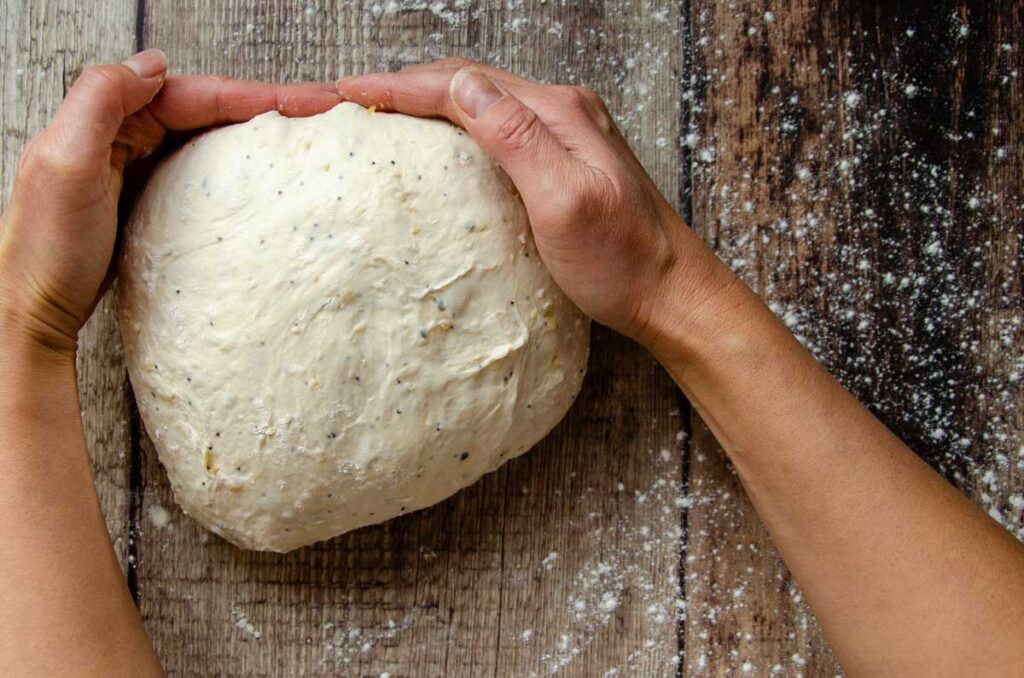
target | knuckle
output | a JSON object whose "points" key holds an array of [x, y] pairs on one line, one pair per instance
{"points": [[519, 128], [603, 120], [30, 156], [103, 85], [102, 78], [582, 98], [593, 105], [41, 161], [456, 63], [568, 95], [572, 204], [590, 96]]}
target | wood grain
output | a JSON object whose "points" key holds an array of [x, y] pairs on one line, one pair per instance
{"points": [[859, 163], [469, 587], [45, 45], [846, 162]]}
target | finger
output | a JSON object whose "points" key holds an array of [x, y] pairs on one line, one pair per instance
{"points": [[103, 96], [454, 64], [192, 102], [514, 135], [139, 136], [581, 127], [421, 93], [421, 90]]}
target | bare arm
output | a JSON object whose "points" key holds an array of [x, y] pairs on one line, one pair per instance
{"points": [[64, 602], [64, 606], [906, 576]]}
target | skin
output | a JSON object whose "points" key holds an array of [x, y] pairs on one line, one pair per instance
{"points": [[906, 576], [63, 599]]}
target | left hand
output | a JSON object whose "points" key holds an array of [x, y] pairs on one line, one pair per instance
{"points": [[57, 235]]}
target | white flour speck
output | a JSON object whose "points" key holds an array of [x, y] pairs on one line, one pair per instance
{"points": [[159, 517], [242, 623]]}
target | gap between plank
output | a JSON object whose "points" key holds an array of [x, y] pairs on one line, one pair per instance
{"points": [[136, 489], [136, 483], [685, 201], [140, 25]]}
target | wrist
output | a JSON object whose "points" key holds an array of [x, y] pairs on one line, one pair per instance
{"points": [[27, 339], [695, 301], [23, 354]]}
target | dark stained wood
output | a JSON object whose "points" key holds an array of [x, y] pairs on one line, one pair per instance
{"points": [[469, 587], [45, 45], [846, 162]]}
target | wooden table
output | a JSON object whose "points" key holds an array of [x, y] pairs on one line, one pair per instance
{"points": [[860, 163]]}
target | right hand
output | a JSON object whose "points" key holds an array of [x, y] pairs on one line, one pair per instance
{"points": [[610, 240]]}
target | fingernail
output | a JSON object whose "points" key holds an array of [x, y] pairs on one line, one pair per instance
{"points": [[473, 92], [148, 63]]}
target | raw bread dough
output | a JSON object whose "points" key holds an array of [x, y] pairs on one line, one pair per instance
{"points": [[335, 320]]}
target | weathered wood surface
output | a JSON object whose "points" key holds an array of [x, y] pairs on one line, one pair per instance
{"points": [[45, 45], [846, 161], [860, 163]]}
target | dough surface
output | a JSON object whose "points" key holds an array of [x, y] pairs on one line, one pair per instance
{"points": [[332, 321]]}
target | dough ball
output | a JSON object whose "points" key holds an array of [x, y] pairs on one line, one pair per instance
{"points": [[336, 320]]}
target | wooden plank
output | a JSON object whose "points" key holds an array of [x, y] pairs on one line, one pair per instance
{"points": [[45, 45], [846, 161], [987, 199], [564, 559]]}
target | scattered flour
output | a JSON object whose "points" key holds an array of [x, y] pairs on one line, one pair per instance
{"points": [[244, 625], [342, 643], [905, 320], [159, 517]]}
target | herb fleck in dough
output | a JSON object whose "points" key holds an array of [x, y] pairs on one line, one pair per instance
{"points": [[332, 321]]}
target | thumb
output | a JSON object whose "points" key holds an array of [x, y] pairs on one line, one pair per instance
{"points": [[103, 96], [511, 133]]}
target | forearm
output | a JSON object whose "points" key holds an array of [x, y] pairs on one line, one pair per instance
{"points": [[64, 605], [903, 572]]}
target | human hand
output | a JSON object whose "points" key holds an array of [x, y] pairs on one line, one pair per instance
{"points": [[610, 240], [58, 232]]}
